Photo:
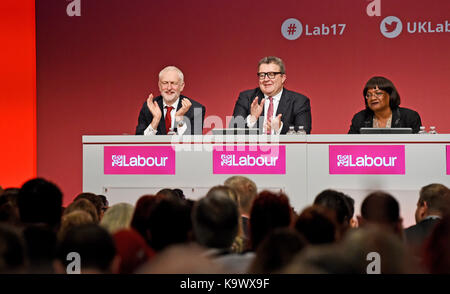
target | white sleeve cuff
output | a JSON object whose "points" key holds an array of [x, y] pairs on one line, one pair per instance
{"points": [[149, 131]]}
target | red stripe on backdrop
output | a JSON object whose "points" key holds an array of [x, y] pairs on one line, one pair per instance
{"points": [[17, 92]]}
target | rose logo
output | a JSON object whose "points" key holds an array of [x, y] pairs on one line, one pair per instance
{"points": [[226, 160], [342, 160], [117, 160]]}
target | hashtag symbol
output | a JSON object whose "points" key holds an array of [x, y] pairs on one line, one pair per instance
{"points": [[291, 29]]}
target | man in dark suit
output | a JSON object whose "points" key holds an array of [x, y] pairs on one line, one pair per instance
{"points": [[434, 202], [171, 111], [271, 107]]}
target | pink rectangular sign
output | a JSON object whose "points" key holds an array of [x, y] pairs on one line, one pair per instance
{"points": [[448, 159], [249, 160], [139, 160], [367, 159]]}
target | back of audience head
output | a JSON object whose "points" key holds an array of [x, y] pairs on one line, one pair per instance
{"points": [[316, 223], [117, 217], [132, 249], [104, 201], [9, 211], [142, 212], [83, 205], [73, 219], [434, 199], [96, 200], [382, 209], [171, 193], [277, 251], [340, 204], [169, 223], [245, 189], [40, 201], [269, 211], [215, 220], [436, 251], [12, 251], [95, 247]]}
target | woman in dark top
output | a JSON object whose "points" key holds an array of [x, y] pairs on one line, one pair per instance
{"points": [[382, 109]]}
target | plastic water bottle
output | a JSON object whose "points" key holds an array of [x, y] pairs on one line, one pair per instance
{"points": [[301, 130], [291, 131], [432, 130], [422, 130]]}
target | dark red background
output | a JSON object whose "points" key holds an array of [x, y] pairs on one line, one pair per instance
{"points": [[95, 71]]}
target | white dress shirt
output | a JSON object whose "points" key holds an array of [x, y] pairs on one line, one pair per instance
{"points": [[276, 101], [180, 130]]}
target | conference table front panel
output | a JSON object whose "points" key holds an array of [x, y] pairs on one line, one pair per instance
{"points": [[306, 173]]}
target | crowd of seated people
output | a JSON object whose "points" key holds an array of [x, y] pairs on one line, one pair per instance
{"points": [[232, 229]]}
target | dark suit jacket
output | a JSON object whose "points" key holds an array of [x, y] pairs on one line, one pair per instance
{"points": [[401, 118], [294, 107], [417, 234], [195, 114]]}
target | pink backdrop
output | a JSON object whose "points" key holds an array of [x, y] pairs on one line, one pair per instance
{"points": [[94, 71]]}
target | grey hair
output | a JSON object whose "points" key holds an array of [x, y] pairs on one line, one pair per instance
{"points": [[171, 67]]}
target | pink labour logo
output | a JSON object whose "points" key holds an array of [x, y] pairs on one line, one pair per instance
{"points": [[367, 159], [139, 160], [249, 160]]}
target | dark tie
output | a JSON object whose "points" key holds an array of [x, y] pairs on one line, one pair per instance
{"points": [[270, 111], [168, 118]]}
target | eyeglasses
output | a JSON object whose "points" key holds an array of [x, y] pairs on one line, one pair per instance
{"points": [[271, 75], [376, 94]]}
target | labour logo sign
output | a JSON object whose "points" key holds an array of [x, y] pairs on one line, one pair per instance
{"points": [[139, 160], [249, 159], [367, 159]]}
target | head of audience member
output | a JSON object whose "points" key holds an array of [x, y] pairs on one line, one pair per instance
{"points": [[271, 75], [215, 220], [41, 242], [117, 217], [380, 94], [40, 201], [269, 211], [434, 200], [73, 219], [83, 205], [169, 223], [169, 193], [141, 215], [316, 223], [277, 250], [9, 210], [95, 247], [105, 202], [246, 191], [351, 204], [381, 209], [171, 84], [436, 253], [338, 203], [96, 200], [132, 249], [12, 251]]}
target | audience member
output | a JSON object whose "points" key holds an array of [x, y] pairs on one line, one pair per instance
{"points": [[142, 212], [338, 203], [96, 200], [316, 223], [40, 241], [117, 217], [9, 210], [277, 251], [132, 250], [169, 223], [434, 201], [12, 251], [382, 209], [436, 253], [269, 211], [40, 201], [246, 191], [73, 219], [95, 247], [84, 205]]}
